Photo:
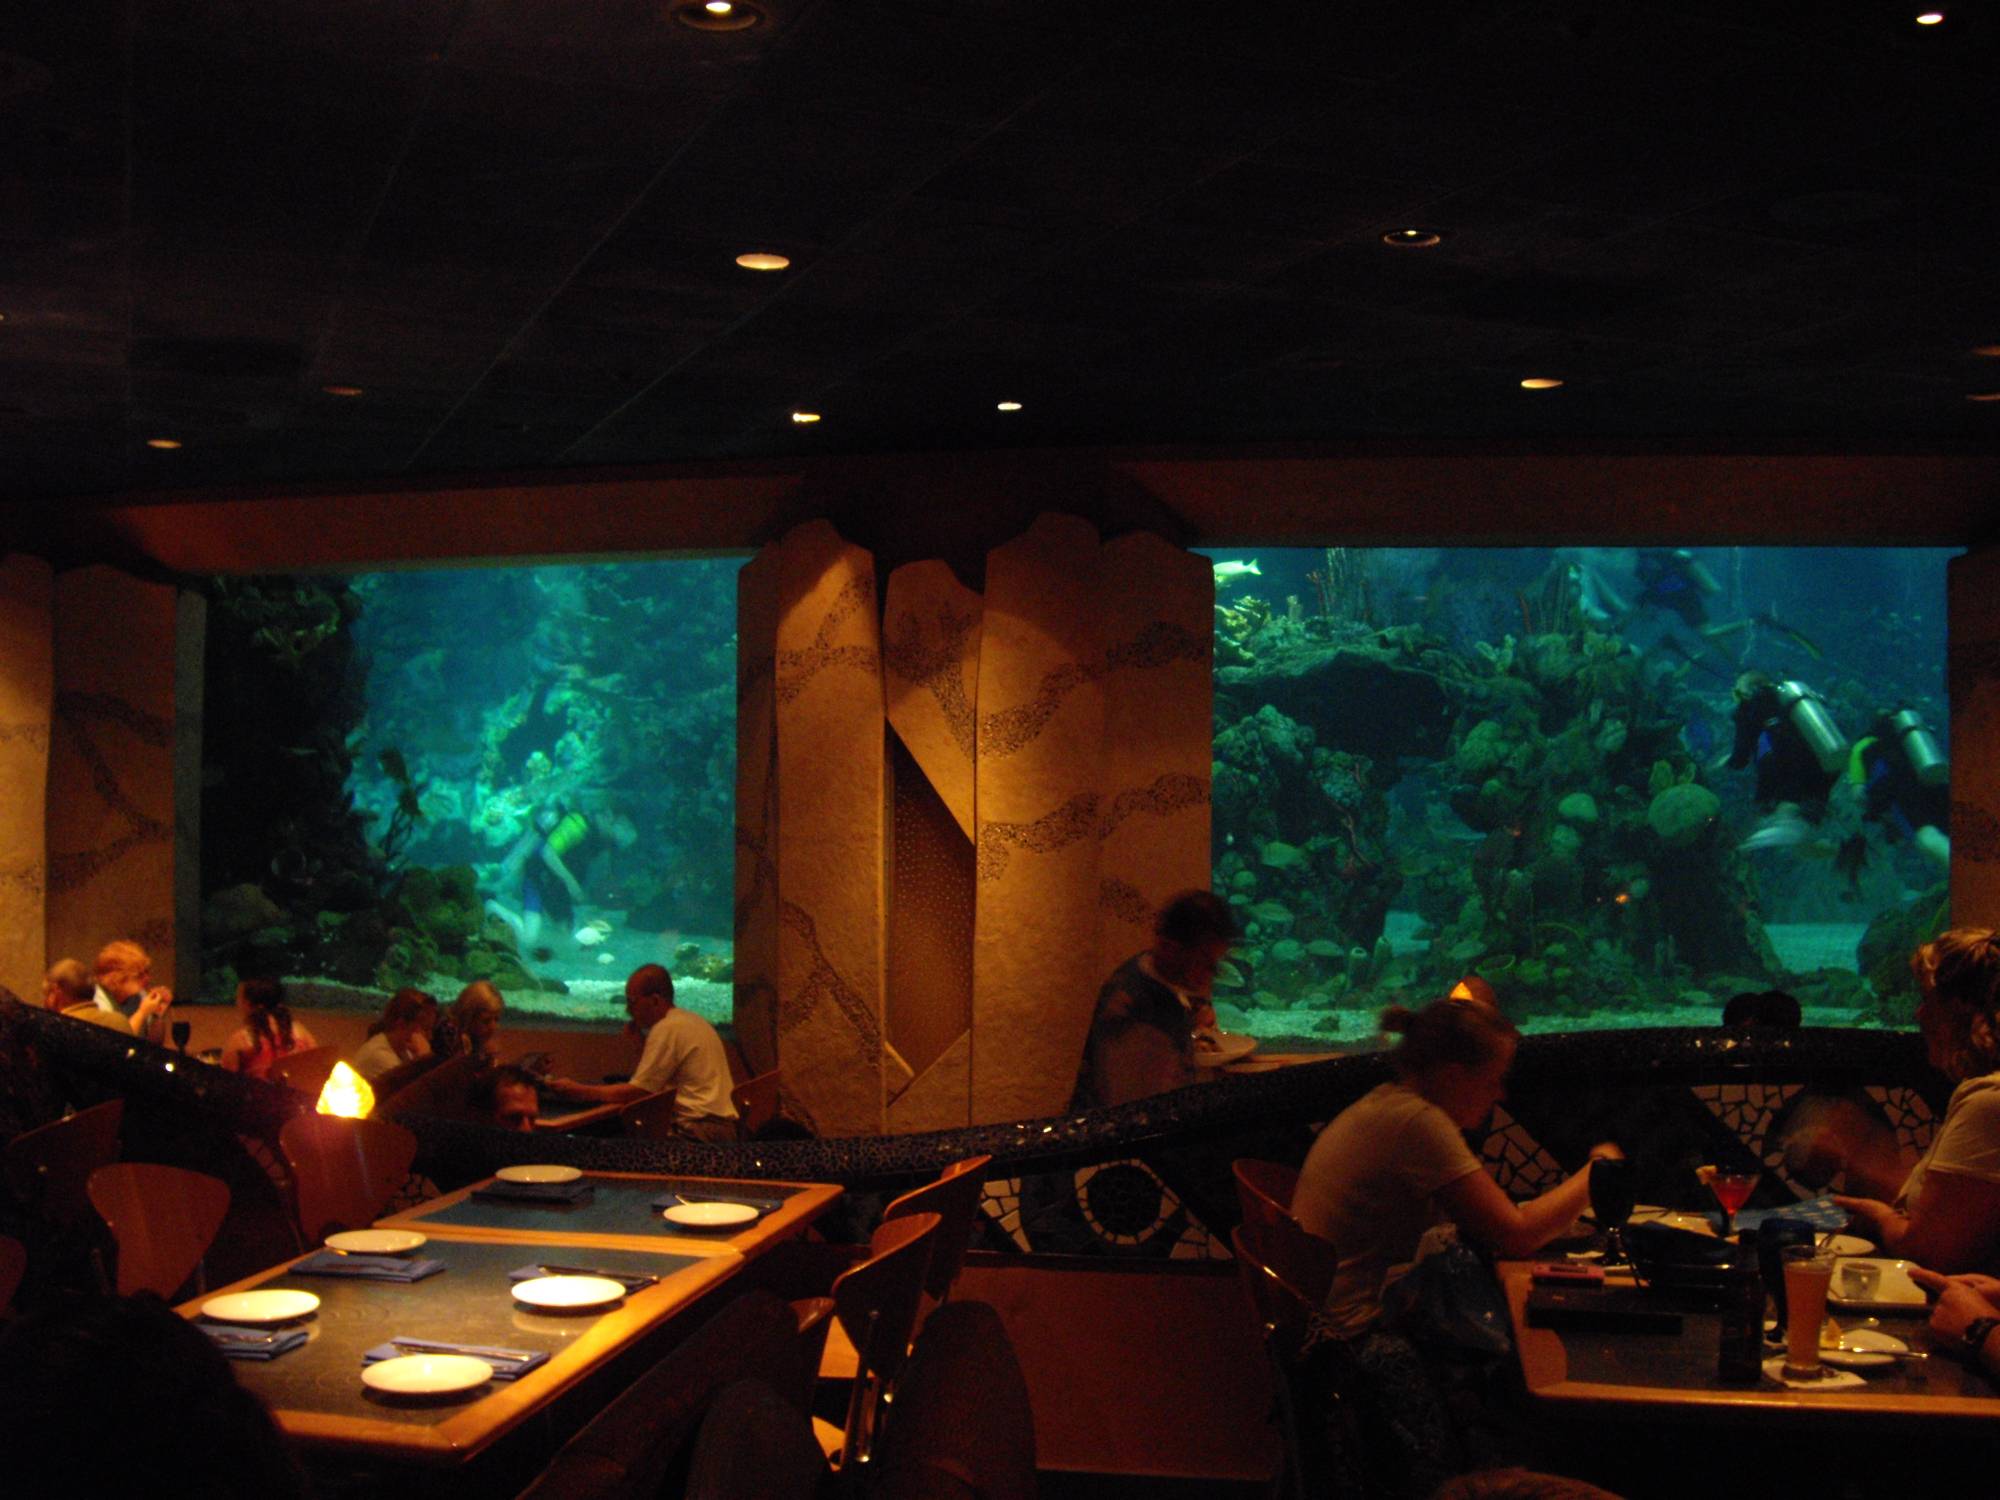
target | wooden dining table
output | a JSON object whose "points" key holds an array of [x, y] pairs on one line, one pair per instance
{"points": [[316, 1393]]}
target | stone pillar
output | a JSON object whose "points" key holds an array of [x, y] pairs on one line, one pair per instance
{"points": [[1973, 658], [111, 767], [27, 687]]}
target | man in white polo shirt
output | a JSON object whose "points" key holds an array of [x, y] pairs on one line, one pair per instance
{"points": [[682, 1053]]}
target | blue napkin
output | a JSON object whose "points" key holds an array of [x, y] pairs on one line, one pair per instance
{"points": [[559, 1194], [508, 1364], [252, 1343], [762, 1205], [632, 1281], [1821, 1213], [367, 1267]]}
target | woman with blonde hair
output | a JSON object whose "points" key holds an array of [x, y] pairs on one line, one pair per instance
{"points": [[468, 1028], [1947, 1216]]}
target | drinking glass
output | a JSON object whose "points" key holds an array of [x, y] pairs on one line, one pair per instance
{"points": [[1774, 1238], [182, 1031], [1732, 1190], [1613, 1190], [1808, 1274]]}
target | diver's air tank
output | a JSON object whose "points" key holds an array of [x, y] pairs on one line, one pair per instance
{"points": [[1807, 712], [1920, 747]]}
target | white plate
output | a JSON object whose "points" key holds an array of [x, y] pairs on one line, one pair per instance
{"points": [[426, 1374], [710, 1215], [1849, 1244], [539, 1174], [1894, 1292], [375, 1241], [278, 1306], [1230, 1046], [1864, 1349], [568, 1293]]}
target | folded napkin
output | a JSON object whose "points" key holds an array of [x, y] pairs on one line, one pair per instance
{"points": [[252, 1343], [632, 1281], [1820, 1213], [558, 1193], [762, 1205], [508, 1364], [367, 1267]]}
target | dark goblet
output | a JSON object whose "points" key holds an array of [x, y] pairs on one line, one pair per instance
{"points": [[182, 1031], [1613, 1192]]}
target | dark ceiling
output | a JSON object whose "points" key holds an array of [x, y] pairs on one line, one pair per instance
{"points": [[1724, 224]]}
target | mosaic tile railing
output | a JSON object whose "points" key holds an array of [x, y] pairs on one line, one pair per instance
{"points": [[1150, 1179]]}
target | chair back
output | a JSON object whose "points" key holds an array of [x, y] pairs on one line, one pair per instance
{"points": [[13, 1266], [650, 1118], [305, 1072], [964, 1425], [427, 1087], [877, 1304], [343, 1171], [48, 1168], [163, 1219], [1263, 1189], [954, 1198], [756, 1101]]}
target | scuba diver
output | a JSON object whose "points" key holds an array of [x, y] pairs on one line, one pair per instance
{"points": [[1904, 781], [537, 861], [1673, 580], [1785, 731]]}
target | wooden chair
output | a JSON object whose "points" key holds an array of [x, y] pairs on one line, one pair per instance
{"points": [[1263, 1188], [306, 1072], [49, 1168], [13, 1266], [756, 1101], [429, 1087], [163, 1218], [650, 1118], [954, 1198], [877, 1303], [343, 1171]]}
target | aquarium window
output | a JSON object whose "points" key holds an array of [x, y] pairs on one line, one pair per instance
{"points": [[1623, 785], [523, 774]]}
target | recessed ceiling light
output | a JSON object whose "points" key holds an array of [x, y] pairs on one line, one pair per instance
{"points": [[1540, 383], [1413, 238], [1984, 396], [803, 418], [342, 390], [718, 15], [1008, 406], [763, 260], [1931, 18], [163, 443]]}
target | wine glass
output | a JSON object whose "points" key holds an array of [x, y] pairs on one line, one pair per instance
{"points": [[1613, 1193], [182, 1031], [1732, 1190]]}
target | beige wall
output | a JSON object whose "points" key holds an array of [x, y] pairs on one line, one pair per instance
{"points": [[27, 681]]}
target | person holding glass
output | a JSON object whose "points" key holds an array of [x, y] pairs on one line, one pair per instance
{"points": [[124, 973], [1947, 1215]]}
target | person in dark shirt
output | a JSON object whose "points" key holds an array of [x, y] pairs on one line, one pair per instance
{"points": [[1784, 732], [1905, 782], [1142, 1034]]}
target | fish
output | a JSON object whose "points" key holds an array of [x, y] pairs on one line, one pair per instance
{"points": [[607, 958], [1235, 569], [592, 933]]}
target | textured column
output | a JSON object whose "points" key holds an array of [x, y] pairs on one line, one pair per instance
{"points": [[831, 817], [1159, 613], [756, 917], [111, 767], [1039, 756], [27, 680], [1974, 659]]}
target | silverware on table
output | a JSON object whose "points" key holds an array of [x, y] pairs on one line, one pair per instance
{"points": [[477, 1351], [626, 1276]]}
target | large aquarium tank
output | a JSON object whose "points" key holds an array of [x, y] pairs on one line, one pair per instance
{"points": [[1620, 785]]}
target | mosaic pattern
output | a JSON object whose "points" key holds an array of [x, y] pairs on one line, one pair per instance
{"points": [[1909, 1114], [1517, 1160]]}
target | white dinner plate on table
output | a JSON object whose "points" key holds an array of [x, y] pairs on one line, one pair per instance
{"points": [[568, 1293], [375, 1241], [1228, 1047], [1864, 1349], [1849, 1244], [710, 1215], [426, 1374], [1894, 1291], [278, 1305], [539, 1174]]}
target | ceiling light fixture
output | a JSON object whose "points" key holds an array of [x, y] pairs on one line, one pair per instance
{"points": [[763, 260], [342, 390], [1540, 383], [805, 418], [717, 15], [1931, 18], [1008, 406], [163, 443], [1413, 238]]}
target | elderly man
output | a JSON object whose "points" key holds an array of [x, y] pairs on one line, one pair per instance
{"points": [[682, 1052], [124, 975]]}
